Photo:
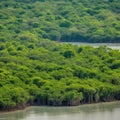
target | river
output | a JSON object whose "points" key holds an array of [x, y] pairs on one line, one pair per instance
{"points": [[100, 111], [110, 45]]}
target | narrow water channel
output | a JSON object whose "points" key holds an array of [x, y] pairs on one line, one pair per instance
{"points": [[110, 45]]}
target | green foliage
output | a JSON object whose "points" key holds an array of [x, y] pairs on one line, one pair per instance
{"points": [[49, 73], [35, 70], [75, 20], [68, 54], [115, 64], [12, 97]]}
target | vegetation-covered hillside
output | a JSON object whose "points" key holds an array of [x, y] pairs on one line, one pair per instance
{"points": [[48, 73], [36, 71], [60, 20]]}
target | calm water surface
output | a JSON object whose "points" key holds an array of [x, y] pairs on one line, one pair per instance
{"points": [[102, 111], [110, 45]]}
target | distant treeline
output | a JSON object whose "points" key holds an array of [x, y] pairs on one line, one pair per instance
{"points": [[42, 72], [60, 20]]}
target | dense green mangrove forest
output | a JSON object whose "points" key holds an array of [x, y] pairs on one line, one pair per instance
{"points": [[60, 20], [48, 73], [36, 69]]}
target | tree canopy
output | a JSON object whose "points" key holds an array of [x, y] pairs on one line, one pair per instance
{"points": [[48, 73], [36, 70], [64, 20]]}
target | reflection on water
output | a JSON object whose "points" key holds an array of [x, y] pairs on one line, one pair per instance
{"points": [[103, 111]]}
